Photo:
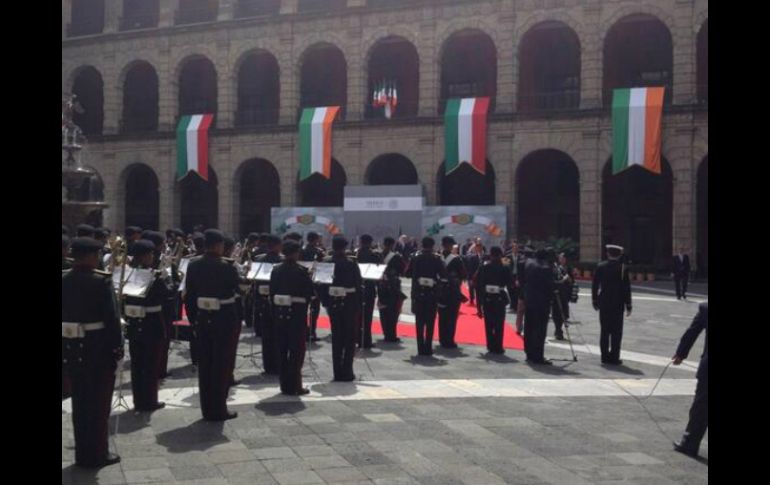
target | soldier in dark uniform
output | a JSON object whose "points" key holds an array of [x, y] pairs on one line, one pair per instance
{"points": [[210, 300], [146, 331], [538, 291], [389, 290], [426, 270], [264, 309], [521, 262], [169, 303], [343, 303], [367, 256], [173, 305], [492, 280], [699, 411], [85, 230], [199, 242], [242, 282], [610, 292], [66, 261], [290, 291], [560, 304], [513, 259], [451, 294], [247, 256], [91, 346], [312, 252]]}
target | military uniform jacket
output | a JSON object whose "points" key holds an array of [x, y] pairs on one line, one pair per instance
{"points": [[291, 279], [66, 263], [211, 277], [311, 253], [367, 256], [426, 265], [493, 274], [611, 290], [394, 269], [88, 296], [699, 324], [265, 258], [455, 269], [538, 284], [347, 274], [151, 326]]}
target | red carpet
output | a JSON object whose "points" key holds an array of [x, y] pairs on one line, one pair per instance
{"points": [[470, 328]]}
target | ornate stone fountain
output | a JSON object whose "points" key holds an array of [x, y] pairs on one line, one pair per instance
{"points": [[82, 191]]}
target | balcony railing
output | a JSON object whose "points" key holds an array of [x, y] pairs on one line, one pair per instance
{"points": [[550, 101], [139, 20], [195, 15], [89, 25], [403, 111], [256, 116], [255, 8]]}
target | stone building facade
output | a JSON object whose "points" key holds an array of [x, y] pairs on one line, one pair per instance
{"points": [[105, 44]]}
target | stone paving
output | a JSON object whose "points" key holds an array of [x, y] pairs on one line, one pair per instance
{"points": [[460, 417]]}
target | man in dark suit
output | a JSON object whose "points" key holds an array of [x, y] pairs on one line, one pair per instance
{"points": [[699, 411], [681, 273], [610, 292], [538, 291]]}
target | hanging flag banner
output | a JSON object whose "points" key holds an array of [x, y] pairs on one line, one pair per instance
{"points": [[315, 141], [326, 221], [636, 128], [466, 222], [192, 145], [465, 133]]}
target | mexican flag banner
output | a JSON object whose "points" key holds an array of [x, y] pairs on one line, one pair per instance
{"points": [[192, 145], [636, 128], [315, 141], [465, 133]]}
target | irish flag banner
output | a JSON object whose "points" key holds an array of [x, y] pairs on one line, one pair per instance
{"points": [[315, 141], [192, 145], [465, 133], [636, 122]]}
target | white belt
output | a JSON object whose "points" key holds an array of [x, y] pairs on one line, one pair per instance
{"points": [[493, 290], [138, 311], [264, 290], [340, 292], [427, 282], [78, 330], [287, 300], [213, 304]]}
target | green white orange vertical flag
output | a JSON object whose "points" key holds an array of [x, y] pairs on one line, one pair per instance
{"points": [[192, 145], [636, 128], [465, 133], [315, 141]]}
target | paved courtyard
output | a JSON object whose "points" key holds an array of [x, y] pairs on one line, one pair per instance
{"points": [[462, 417]]}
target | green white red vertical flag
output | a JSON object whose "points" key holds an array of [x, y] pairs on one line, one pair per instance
{"points": [[315, 141], [636, 128], [192, 145], [465, 133]]}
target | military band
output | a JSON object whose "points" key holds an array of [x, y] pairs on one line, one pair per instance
{"points": [[219, 299]]}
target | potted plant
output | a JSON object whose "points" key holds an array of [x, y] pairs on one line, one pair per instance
{"points": [[650, 273]]}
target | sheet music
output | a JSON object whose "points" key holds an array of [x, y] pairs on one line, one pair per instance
{"points": [[252, 274], [264, 272], [370, 271], [183, 269], [307, 264], [324, 273], [138, 282], [116, 277]]}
